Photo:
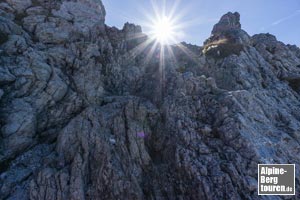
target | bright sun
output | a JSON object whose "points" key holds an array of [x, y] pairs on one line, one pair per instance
{"points": [[163, 30], [163, 24]]}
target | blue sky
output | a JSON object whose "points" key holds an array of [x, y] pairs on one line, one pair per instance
{"points": [[278, 17]]}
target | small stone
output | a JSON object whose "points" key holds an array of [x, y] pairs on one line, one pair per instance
{"points": [[112, 141]]}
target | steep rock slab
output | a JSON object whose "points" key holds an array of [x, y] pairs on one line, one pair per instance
{"points": [[102, 153]]}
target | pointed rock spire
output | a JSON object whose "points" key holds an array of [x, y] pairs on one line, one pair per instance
{"points": [[229, 21], [227, 37]]}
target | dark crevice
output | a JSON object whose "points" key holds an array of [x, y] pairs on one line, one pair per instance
{"points": [[4, 165], [3, 38]]}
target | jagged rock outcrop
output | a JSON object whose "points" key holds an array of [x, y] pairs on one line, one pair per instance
{"points": [[283, 58], [88, 111], [227, 37]]}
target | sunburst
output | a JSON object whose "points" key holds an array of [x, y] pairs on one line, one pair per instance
{"points": [[165, 29]]}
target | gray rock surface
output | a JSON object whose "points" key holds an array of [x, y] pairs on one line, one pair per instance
{"points": [[86, 113]]}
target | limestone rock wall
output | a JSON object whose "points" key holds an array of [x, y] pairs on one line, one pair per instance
{"points": [[84, 113]]}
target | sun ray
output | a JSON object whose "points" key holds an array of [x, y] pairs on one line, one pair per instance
{"points": [[140, 48], [136, 36], [151, 52], [157, 12], [162, 70], [188, 52], [172, 55], [174, 8]]}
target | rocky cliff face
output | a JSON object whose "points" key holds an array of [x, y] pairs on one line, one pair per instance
{"points": [[86, 113]]}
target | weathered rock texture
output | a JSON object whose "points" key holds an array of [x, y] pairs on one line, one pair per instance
{"points": [[87, 113]]}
